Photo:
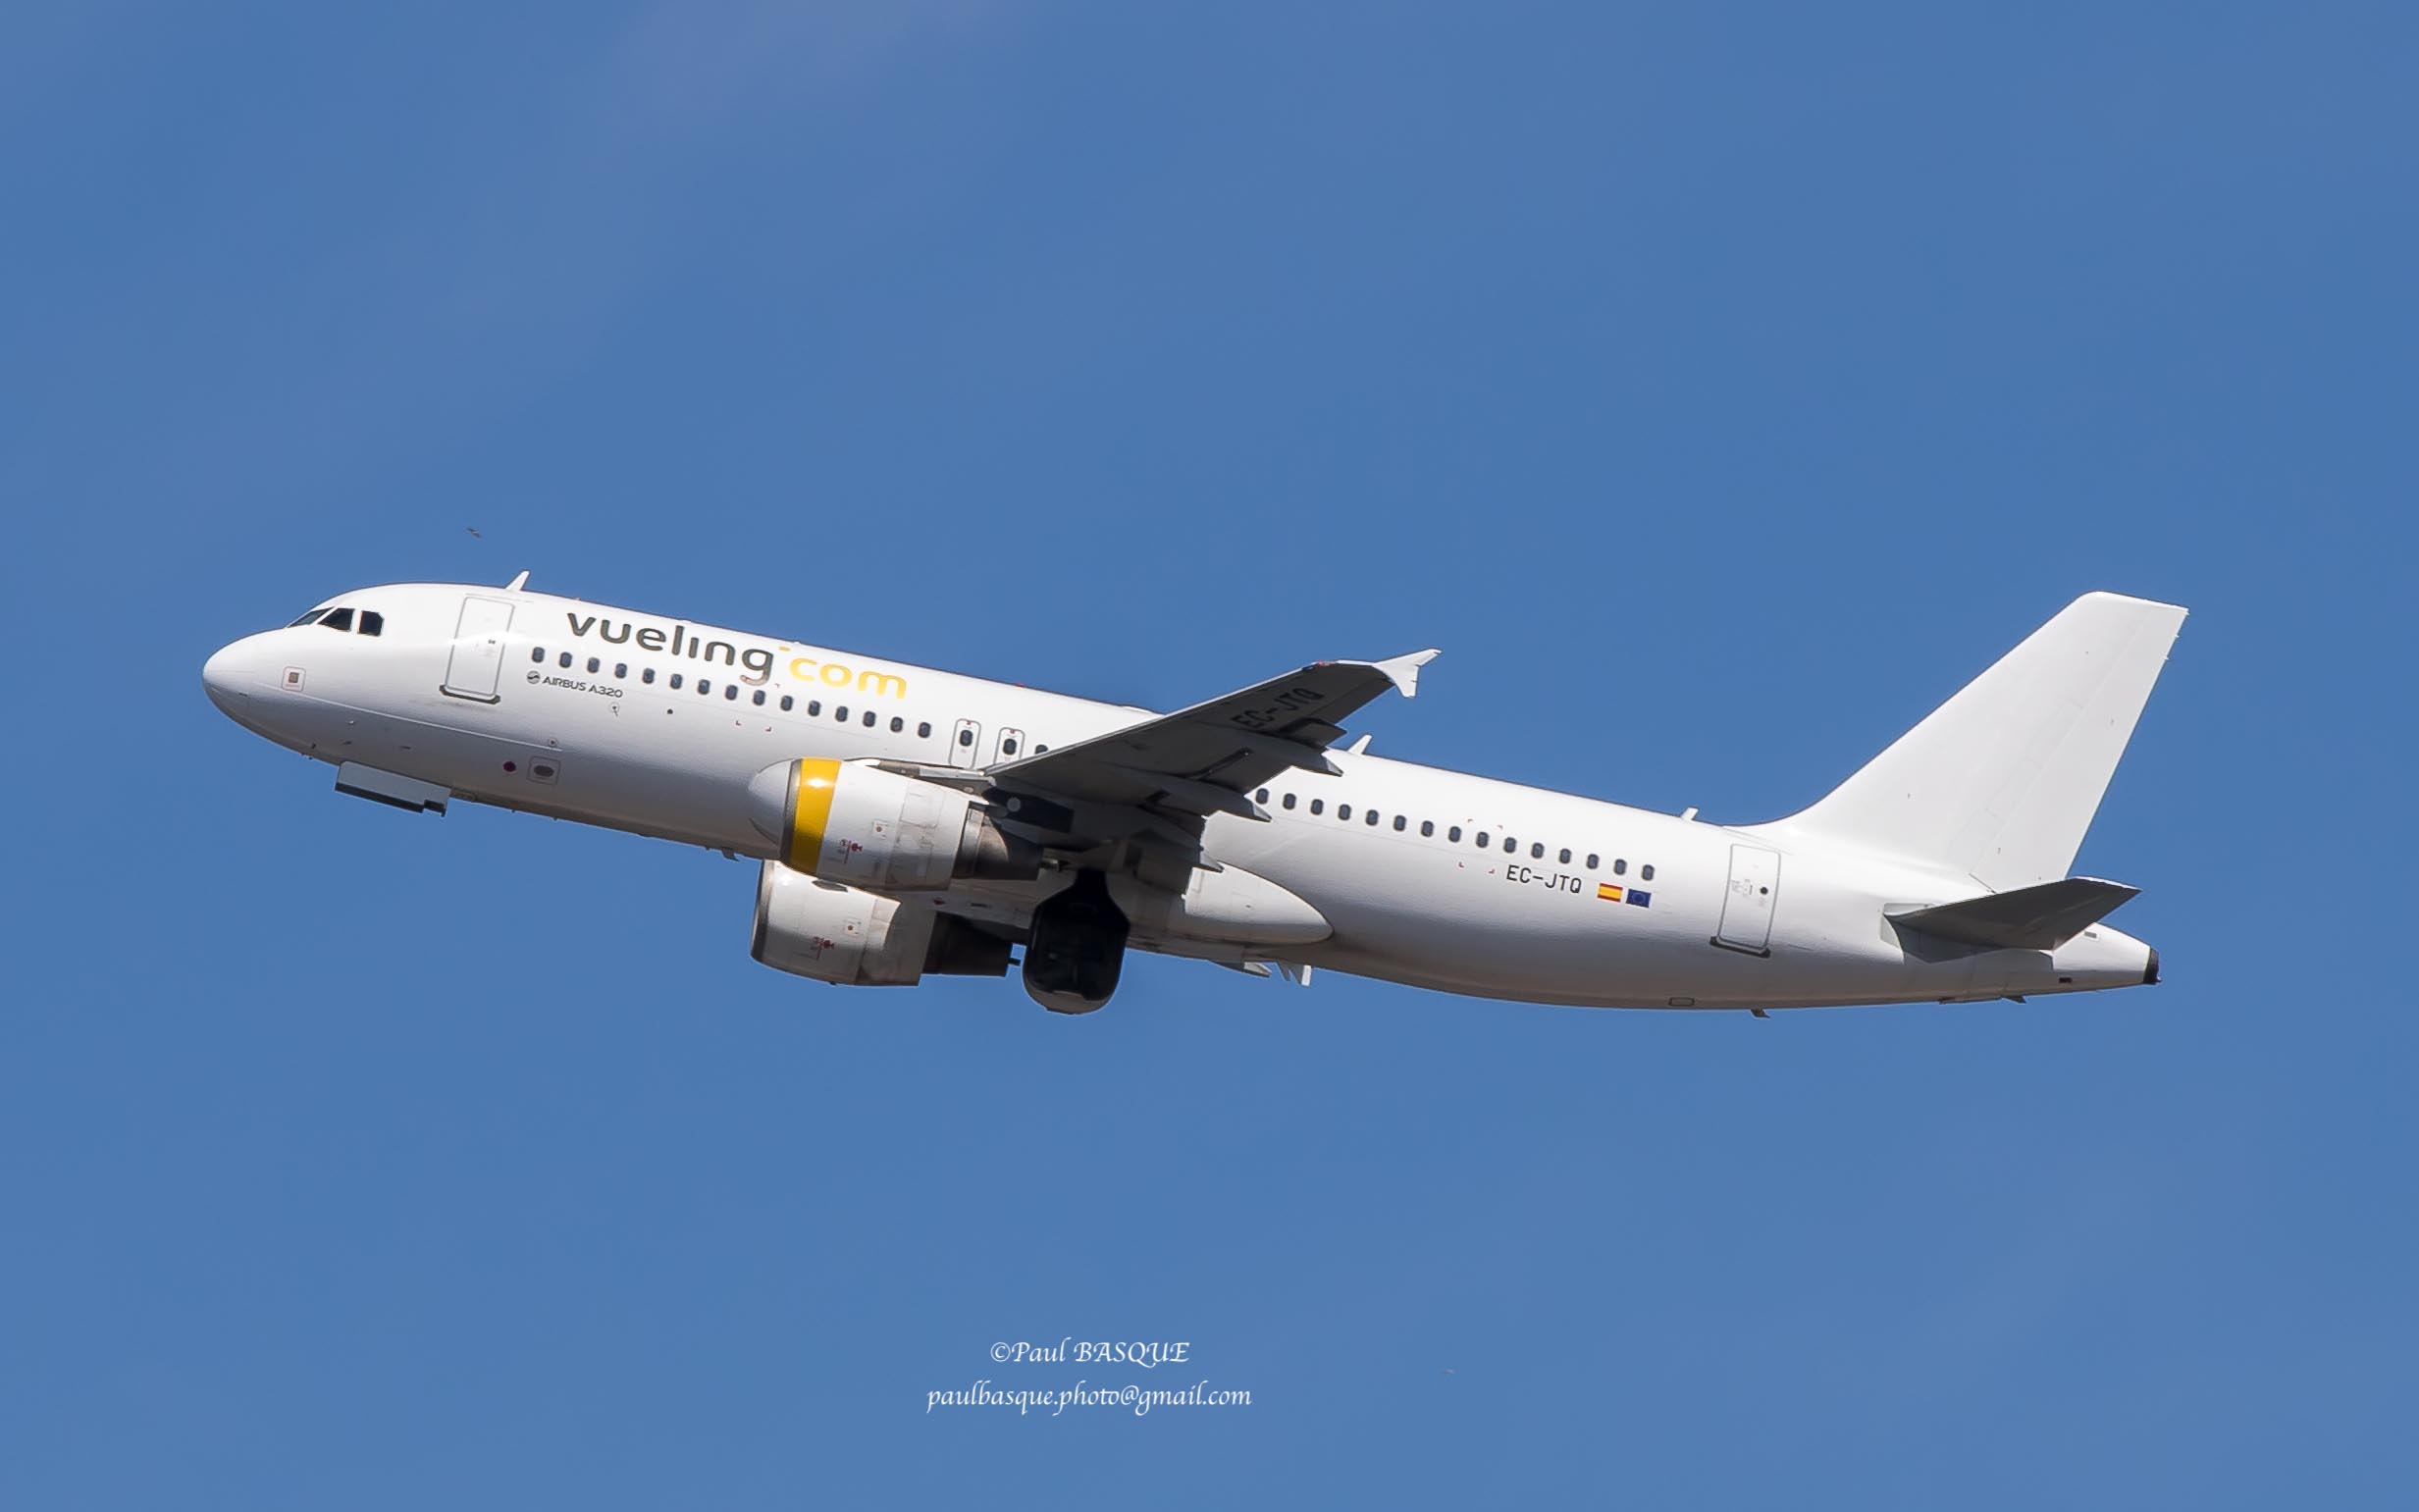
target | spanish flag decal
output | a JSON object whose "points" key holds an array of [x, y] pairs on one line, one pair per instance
{"points": [[1607, 891]]}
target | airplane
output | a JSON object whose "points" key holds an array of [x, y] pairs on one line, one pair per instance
{"points": [[914, 822]]}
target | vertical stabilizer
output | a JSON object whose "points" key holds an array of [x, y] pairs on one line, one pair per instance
{"points": [[2002, 780]]}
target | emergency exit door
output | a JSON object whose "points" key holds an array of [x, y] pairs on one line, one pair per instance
{"points": [[478, 649], [964, 742], [1747, 908]]}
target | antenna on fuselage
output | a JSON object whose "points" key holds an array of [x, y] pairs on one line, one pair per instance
{"points": [[518, 582]]}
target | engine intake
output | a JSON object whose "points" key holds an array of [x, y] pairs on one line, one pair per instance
{"points": [[847, 822], [845, 935]]}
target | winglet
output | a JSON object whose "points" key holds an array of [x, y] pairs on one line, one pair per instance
{"points": [[1403, 672]]}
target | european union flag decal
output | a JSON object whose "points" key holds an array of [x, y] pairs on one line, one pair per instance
{"points": [[1643, 900]]}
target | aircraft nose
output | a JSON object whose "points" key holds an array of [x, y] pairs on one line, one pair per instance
{"points": [[229, 676]]}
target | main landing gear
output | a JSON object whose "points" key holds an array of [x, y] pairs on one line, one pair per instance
{"points": [[1078, 949]]}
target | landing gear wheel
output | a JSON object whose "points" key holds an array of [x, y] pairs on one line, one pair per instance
{"points": [[1078, 948]]}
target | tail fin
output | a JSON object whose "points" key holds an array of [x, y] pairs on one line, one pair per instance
{"points": [[2002, 780]]}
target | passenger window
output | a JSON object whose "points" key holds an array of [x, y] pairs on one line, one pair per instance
{"points": [[870, 718], [924, 729], [815, 707], [1288, 800], [1401, 824], [1593, 861], [1537, 853], [1511, 845], [704, 687], [1620, 867], [787, 703], [1038, 750], [563, 661], [1008, 747], [1453, 834], [1646, 873], [1318, 806], [1482, 840], [1427, 828], [537, 653], [840, 714], [594, 666], [646, 674], [338, 619], [897, 725], [965, 736], [621, 669], [1344, 810], [1565, 856], [1371, 818], [675, 680], [1260, 797], [730, 692], [373, 622]]}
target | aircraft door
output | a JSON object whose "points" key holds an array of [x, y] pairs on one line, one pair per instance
{"points": [[478, 649], [1747, 908], [965, 744]]}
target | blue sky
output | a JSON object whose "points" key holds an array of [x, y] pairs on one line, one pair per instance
{"points": [[1720, 386]]}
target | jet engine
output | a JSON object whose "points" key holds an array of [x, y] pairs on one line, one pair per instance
{"points": [[836, 933], [846, 821]]}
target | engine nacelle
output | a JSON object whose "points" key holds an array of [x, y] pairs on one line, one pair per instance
{"points": [[845, 821], [835, 934]]}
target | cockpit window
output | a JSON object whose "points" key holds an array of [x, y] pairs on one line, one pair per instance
{"points": [[341, 618]]}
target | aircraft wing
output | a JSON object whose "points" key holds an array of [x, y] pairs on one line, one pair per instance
{"points": [[1208, 759]]}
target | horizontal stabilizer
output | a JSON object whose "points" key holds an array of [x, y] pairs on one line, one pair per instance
{"points": [[2041, 917]]}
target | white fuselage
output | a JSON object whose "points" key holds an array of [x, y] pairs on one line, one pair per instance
{"points": [[1433, 878]]}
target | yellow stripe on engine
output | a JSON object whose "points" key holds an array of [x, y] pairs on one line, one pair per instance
{"points": [[810, 812]]}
